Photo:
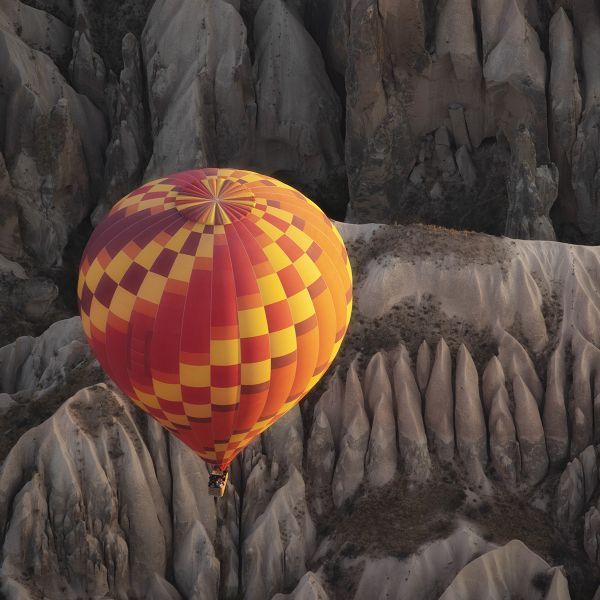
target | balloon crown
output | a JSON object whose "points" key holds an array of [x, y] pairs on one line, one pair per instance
{"points": [[211, 199]]}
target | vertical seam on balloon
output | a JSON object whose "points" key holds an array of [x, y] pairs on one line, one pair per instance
{"points": [[237, 317], [243, 246], [311, 301], [152, 347], [212, 428], [290, 310], [241, 223], [193, 431]]}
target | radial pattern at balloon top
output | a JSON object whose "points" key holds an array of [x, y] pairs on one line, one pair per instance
{"points": [[213, 200], [215, 299]]}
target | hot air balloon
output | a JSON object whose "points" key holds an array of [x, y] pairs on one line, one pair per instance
{"points": [[215, 299]]}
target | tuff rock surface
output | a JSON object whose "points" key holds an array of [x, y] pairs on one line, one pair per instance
{"points": [[409, 472], [384, 111], [463, 412]]}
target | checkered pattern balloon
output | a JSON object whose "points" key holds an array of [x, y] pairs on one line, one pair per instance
{"points": [[215, 299]]}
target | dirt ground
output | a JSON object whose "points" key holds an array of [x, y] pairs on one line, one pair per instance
{"points": [[396, 520]]}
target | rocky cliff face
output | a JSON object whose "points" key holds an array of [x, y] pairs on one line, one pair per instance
{"points": [[447, 430], [478, 115], [453, 451], [475, 115]]}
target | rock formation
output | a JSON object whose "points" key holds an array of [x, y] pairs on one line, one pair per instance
{"points": [[127, 152], [210, 77], [466, 401], [438, 440], [53, 138], [512, 570], [413, 113]]}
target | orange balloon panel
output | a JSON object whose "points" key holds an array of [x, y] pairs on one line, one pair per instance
{"points": [[215, 299]]}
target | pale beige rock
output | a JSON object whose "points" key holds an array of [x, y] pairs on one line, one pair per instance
{"points": [[468, 294], [423, 365], [354, 399], [508, 571], [532, 190], [37, 28], [585, 161], [412, 439], [200, 528], [320, 456], [586, 361], [382, 457], [102, 542], [158, 446], [29, 362], [197, 570], [308, 588], [128, 150], [530, 433], [450, 78], [469, 420], [332, 402], [228, 536], [210, 77], [439, 405], [350, 466], [556, 427], [591, 535], [258, 492], [93, 481], [515, 71], [492, 382], [456, 36], [422, 575], [377, 383], [589, 465], [283, 443], [516, 361], [275, 553], [299, 132], [504, 448], [570, 494], [87, 71], [565, 107], [161, 589]]}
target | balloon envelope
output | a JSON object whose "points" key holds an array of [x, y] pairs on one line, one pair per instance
{"points": [[215, 299]]}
